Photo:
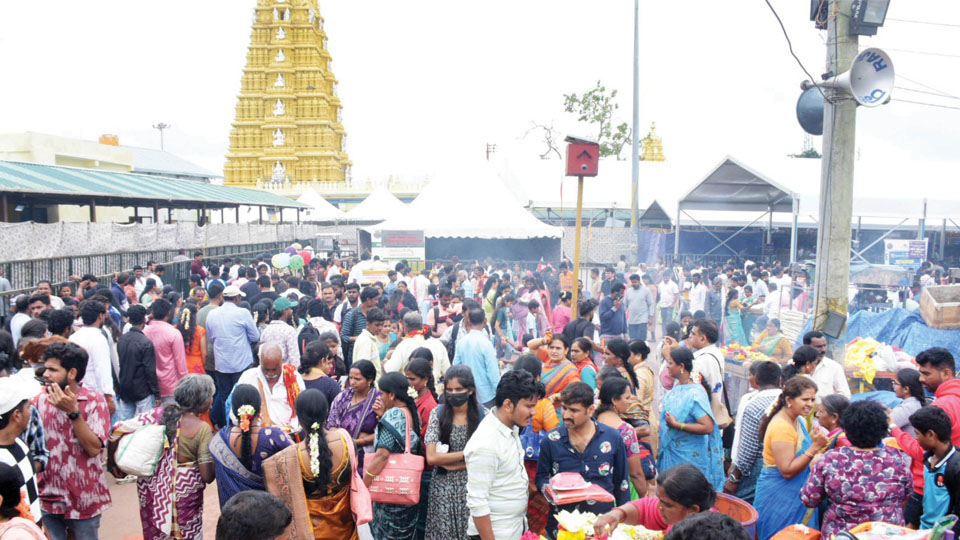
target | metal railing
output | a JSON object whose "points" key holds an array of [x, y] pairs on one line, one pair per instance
{"points": [[24, 275]]}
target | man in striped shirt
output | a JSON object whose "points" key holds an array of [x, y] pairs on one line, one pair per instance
{"points": [[15, 393]]}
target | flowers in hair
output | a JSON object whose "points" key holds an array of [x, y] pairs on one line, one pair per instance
{"points": [[314, 442], [245, 413], [412, 392]]}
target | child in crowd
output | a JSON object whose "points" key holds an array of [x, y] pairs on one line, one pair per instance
{"points": [[941, 471]]}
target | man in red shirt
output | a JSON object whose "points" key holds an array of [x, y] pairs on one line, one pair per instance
{"points": [[73, 490], [938, 373], [196, 267]]}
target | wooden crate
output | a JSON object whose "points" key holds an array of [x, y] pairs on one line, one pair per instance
{"points": [[940, 307]]}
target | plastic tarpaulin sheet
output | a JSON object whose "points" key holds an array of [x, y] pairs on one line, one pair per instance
{"points": [[649, 245], [897, 327]]}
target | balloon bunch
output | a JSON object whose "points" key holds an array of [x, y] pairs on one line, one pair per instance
{"points": [[294, 258]]}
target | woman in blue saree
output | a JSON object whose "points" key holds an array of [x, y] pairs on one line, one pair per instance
{"points": [[688, 432], [239, 450], [733, 320], [788, 450]]}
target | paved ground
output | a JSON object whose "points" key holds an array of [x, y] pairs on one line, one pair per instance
{"points": [[122, 520]]}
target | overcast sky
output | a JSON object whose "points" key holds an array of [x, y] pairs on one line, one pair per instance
{"points": [[426, 84]]}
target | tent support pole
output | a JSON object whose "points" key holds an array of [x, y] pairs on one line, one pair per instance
{"points": [[156, 213], [922, 231], [884, 235], [261, 214], [238, 213], [576, 246], [676, 236], [770, 225], [794, 232], [724, 242], [943, 240]]}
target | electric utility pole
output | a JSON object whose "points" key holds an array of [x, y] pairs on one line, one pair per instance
{"points": [[635, 156], [836, 181]]}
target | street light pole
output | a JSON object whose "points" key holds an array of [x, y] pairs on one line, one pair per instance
{"points": [[635, 155], [160, 127]]}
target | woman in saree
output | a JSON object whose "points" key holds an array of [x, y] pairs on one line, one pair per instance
{"points": [[239, 450], [184, 468], [313, 477], [733, 320], [352, 409], [688, 432], [749, 304], [773, 343], [788, 450], [397, 412], [558, 371], [637, 414]]}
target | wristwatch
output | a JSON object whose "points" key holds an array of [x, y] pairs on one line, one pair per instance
{"points": [[73, 416]]}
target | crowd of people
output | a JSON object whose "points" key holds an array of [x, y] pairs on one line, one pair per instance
{"points": [[352, 398]]}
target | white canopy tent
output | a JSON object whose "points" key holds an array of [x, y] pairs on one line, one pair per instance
{"points": [[378, 206], [481, 193], [320, 208]]}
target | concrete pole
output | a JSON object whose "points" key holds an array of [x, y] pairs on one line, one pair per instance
{"points": [[794, 231], [635, 154], [676, 236], [922, 230], [836, 183], [943, 239]]}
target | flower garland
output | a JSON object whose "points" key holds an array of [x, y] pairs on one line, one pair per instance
{"points": [[421, 332], [314, 443], [245, 413], [293, 389]]}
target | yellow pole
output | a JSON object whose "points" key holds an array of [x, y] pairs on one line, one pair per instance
{"points": [[576, 250]]}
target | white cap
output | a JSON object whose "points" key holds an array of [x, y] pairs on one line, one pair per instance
{"points": [[232, 291], [17, 388]]}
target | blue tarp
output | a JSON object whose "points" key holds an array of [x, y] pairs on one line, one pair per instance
{"points": [[897, 327], [649, 246]]}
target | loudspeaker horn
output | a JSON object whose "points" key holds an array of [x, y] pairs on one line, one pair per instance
{"points": [[869, 80]]}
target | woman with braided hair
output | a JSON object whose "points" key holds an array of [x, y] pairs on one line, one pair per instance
{"points": [[194, 339], [321, 464], [397, 412], [239, 449]]}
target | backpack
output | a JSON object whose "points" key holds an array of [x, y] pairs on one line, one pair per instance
{"points": [[307, 334], [452, 346]]}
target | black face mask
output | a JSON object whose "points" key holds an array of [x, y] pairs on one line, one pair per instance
{"points": [[457, 400]]}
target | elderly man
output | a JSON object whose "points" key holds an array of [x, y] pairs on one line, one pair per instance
{"points": [[414, 338], [279, 385]]}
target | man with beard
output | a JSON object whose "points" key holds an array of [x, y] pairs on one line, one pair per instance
{"points": [[74, 491], [277, 382]]}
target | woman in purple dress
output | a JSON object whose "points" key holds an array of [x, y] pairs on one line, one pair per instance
{"points": [[352, 409], [239, 449]]}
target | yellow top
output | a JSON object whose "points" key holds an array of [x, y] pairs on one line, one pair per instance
{"points": [[779, 430]]}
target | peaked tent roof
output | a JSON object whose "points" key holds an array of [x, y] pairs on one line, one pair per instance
{"points": [[732, 185], [480, 193], [151, 161], [320, 208], [378, 206]]}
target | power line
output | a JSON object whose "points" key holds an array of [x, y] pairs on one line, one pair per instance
{"points": [[795, 57], [925, 92], [927, 53], [927, 104], [927, 86], [924, 22]]}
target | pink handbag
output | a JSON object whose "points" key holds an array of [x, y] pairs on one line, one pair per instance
{"points": [[399, 481], [360, 505]]}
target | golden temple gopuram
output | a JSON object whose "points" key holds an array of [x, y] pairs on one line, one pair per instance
{"points": [[288, 121]]}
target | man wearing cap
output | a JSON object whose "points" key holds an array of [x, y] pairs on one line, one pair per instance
{"points": [[279, 385], [73, 489], [15, 395], [281, 332], [231, 331]]}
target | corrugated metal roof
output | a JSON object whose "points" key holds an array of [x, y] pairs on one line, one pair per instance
{"points": [[66, 184], [148, 160]]}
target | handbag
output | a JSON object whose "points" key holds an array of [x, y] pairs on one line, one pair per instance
{"points": [[139, 452], [360, 505], [530, 441], [399, 481]]}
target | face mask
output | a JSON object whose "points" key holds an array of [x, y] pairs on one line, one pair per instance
{"points": [[457, 400]]}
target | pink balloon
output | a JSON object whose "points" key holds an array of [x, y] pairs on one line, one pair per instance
{"points": [[306, 256]]}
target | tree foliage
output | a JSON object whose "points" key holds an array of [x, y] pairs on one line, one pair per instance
{"points": [[596, 107]]}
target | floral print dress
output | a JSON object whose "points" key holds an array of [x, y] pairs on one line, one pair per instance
{"points": [[861, 486]]}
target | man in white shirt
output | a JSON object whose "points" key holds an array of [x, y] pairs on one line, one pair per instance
{"points": [[268, 379], [367, 346], [413, 340], [708, 363], [497, 481], [775, 301], [45, 287], [421, 286], [828, 374], [93, 340], [139, 280], [669, 299], [698, 294]]}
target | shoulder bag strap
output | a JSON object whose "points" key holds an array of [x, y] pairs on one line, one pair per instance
{"points": [[406, 429], [363, 414], [349, 444], [723, 383], [436, 318]]}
